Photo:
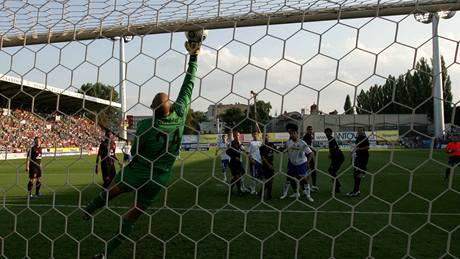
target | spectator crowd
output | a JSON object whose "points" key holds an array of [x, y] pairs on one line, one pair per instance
{"points": [[18, 129]]}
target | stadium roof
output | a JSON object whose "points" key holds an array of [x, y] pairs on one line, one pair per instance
{"points": [[23, 93]]}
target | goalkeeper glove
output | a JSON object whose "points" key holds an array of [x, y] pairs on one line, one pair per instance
{"points": [[193, 48]]}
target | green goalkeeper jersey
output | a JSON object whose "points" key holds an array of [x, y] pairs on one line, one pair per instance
{"points": [[158, 140]]}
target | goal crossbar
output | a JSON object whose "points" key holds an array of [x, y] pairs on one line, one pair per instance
{"points": [[144, 21]]}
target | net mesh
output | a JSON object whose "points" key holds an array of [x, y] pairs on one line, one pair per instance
{"points": [[35, 22], [56, 53]]}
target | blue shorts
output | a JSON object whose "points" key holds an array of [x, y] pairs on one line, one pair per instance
{"points": [[256, 170], [225, 163], [297, 170], [126, 157]]}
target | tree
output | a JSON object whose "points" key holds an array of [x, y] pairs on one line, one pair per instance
{"points": [[263, 112], [100, 90], [408, 91], [363, 102], [347, 106], [192, 123], [233, 117], [110, 117], [447, 91], [199, 116]]}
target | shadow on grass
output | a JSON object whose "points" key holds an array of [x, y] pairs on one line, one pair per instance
{"points": [[196, 215]]}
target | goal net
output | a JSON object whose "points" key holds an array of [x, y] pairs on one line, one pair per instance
{"points": [[71, 71]]}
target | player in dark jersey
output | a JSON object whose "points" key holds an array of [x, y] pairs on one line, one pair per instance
{"points": [[107, 157], [34, 167], [236, 166], [266, 152], [154, 150], [337, 159], [360, 159], [453, 149], [308, 138]]}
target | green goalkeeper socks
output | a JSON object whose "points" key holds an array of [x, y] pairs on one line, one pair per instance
{"points": [[96, 203], [126, 229], [126, 226]]}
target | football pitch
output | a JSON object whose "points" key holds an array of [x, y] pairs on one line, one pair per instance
{"points": [[411, 212]]}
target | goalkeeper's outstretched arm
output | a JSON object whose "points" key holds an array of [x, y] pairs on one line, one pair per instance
{"points": [[182, 104]]}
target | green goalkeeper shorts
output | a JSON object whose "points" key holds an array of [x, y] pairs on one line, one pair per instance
{"points": [[138, 179]]}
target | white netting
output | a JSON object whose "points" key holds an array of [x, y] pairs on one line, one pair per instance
{"points": [[56, 54], [35, 22]]}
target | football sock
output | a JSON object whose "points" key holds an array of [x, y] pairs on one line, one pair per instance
{"points": [[253, 184], [239, 187], [307, 189], [286, 187], [313, 177], [96, 203], [357, 184], [447, 173], [232, 183], [268, 189], [337, 184], [293, 185], [38, 184], [303, 183], [106, 183], [241, 181], [29, 186], [126, 229]]}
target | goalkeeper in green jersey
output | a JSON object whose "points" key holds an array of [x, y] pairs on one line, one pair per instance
{"points": [[153, 151]]}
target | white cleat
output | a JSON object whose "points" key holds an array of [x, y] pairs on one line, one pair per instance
{"points": [[99, 256], [353, 194], [309, 198], [283, 196], [294, 195]]}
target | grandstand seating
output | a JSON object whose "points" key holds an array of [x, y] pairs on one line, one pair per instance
{"points": [[19, 127]]}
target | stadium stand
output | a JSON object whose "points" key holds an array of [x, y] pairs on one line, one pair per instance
{"points": [[20, 127], [67, 128]]}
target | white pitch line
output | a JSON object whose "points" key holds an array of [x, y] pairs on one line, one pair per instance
{"points": [[235, 210]]}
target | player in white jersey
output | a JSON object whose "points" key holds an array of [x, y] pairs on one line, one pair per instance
{"points": [[126, 149], [255, 158], [299, 155], [222, 146]]}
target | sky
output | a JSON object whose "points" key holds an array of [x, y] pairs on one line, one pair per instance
{"points": [[292, 66]]}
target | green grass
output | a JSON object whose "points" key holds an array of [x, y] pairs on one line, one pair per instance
{"points": [[409, 204]]}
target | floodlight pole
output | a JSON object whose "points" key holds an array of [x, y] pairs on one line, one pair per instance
{"points": [[218, 126], [122, 74], [438, 96]]}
